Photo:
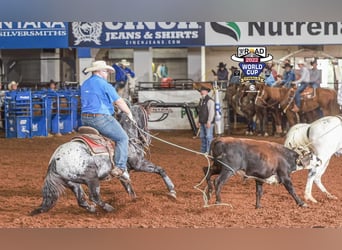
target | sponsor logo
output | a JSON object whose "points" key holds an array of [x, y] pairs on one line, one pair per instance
{"points": [[251, 62], [32, 29], [87, 32], [230, 29]]}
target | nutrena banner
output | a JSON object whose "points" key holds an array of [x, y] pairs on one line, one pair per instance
{"points": [[31, 35], [136, 34], [272, 33]]}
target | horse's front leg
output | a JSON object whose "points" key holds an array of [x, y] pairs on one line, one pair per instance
{"points": [[94, 190], [129, 189], [318, 182], [308, 186], [149, 167]]}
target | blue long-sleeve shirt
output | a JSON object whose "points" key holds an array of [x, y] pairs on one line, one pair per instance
{"points": [[121, 74], [288, 78]]}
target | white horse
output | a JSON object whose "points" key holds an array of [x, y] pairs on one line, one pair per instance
{"points": [[322, 138]]}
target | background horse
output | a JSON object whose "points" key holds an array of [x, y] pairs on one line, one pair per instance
{"points": [[241, 100], [73, 164], [323, 139], [267, 101]]}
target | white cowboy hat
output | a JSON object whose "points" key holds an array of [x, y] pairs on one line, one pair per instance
{"points": [[301, 62], [124, 62], [12, 83], [98, 65]]}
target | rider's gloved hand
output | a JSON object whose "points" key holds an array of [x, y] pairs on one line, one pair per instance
{"points": [[130, 116]]}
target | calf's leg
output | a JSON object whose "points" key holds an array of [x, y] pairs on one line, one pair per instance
{"points": [[259, 193], [220, 181], [208, 172], [289, 187]]}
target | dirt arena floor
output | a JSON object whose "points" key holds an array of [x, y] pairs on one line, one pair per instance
{"points": [[24, 164]]}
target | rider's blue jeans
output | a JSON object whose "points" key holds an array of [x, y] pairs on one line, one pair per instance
{"points": [[108, 126], [299, 90], [206, 135]]}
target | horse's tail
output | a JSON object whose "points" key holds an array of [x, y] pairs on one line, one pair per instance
{"points": [[53, 187]]}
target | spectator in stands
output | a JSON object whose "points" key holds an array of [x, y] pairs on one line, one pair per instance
{"points": [[98, 98], [270, 66], [268, 77], [122, 73], [234, 76], [52, 85], [12, 86], [222, 75], [162, 71], [206, 116], [288, 76], [315, 75]]}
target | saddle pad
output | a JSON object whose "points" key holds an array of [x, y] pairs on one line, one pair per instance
{"points": [[96, 143], [308, 91]]}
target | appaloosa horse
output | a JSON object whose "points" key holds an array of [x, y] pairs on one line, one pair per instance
{"points": [[74, 163]]}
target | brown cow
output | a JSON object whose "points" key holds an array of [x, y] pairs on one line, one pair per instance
{"points": [[263, 161]]}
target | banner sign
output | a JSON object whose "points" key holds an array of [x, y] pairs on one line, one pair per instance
{"points": [[136, 34], [31, 35], [272, 33]]}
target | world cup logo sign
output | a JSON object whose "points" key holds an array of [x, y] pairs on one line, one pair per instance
{"points": [[251, 62]]}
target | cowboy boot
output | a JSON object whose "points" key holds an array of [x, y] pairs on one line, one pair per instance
{"points": [[121, 174]]}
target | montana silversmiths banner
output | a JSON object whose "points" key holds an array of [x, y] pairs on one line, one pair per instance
{"points": [[136, 34], [272, 33], [31, 35]]}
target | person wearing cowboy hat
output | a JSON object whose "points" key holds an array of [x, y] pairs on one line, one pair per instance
{"points": [[234, 76], [222, 74], [13, 86], [98, 98], [122, 73], [206, 118], [301, 83], [270, 66], [315, 75], [288, 76]]}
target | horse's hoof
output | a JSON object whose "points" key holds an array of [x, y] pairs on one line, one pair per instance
{"points": [[108, 208], [310, 198], [303, 205], [331, 196], [36, 211], [172, 195], [92, 209]]}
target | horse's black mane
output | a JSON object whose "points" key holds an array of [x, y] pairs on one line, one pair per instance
{"points": [[138, 130]]}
